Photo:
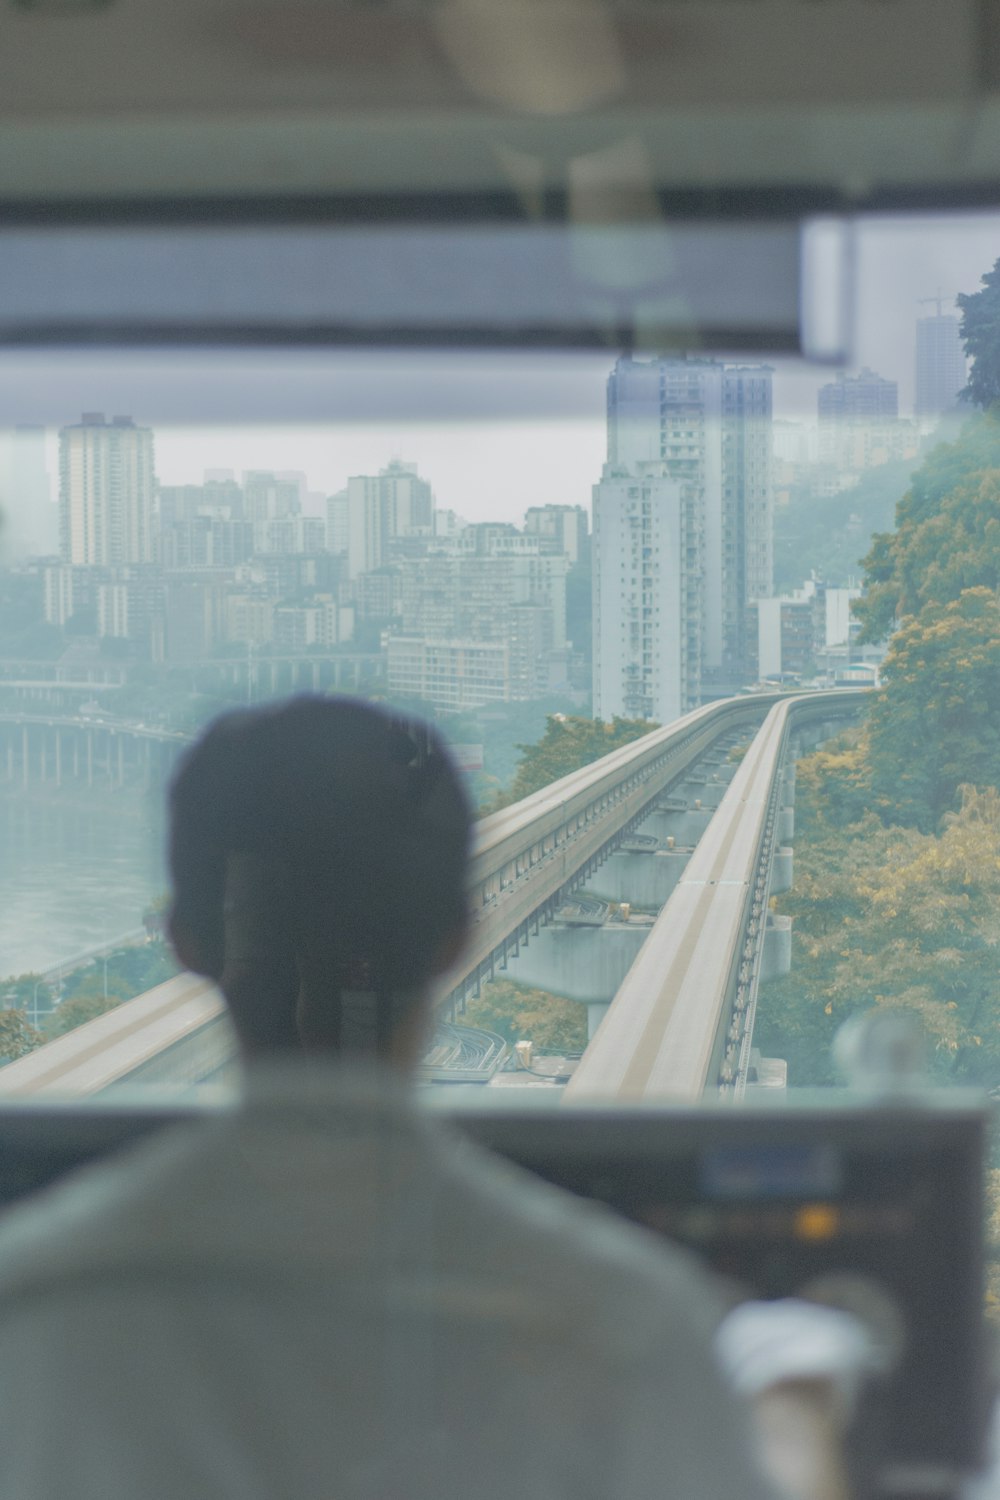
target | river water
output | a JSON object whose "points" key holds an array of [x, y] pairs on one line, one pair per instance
{"points": [[77, 868]]}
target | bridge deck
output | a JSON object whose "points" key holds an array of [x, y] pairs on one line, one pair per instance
{"points": [[524, 857], [660, 1033]]}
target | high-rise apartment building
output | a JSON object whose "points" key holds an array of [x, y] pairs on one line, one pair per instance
{"points": [[865, 396], [394, 503], [220, 499], [561, 529], [682, 533], [941, 370], [58, 600], [454, 675], [338, 523], [646, 599], [409, 499], [266, 497], [490, 584], [859, 424], [106, 487]]}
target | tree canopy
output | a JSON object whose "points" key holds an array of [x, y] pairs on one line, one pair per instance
{"points": [[568, 743], [516, 1012], [17, 1036], [890, 916], [980, 330], [935, 723], [947, 535], [87, 1004], [827, 535]]}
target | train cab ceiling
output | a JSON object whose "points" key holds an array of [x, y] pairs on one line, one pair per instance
{"points": [[595, 108], [644, 167]]}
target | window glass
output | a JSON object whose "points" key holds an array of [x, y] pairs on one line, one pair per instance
{"points": [[518, 545]]}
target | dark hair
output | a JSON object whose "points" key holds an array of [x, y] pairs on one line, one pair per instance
{"points": [[364, 819]]}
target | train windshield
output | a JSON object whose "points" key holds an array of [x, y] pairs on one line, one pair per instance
{"points": [[712, 633]]}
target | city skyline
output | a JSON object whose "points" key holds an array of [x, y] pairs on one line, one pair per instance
{"points": [[493, 432]]}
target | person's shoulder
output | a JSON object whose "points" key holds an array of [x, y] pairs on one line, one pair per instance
{"points": [[579, 1252], [106, 1213]]}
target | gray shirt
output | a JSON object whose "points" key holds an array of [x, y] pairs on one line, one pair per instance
{"points": [[322, 1293]]}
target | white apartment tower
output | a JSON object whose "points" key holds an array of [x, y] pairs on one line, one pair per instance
{"points": [[691, 439], [409, 499], [647, 661], [394, 503], [106, 486]]}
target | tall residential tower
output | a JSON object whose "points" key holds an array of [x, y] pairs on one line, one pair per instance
{"points": [[941, 371], [682, 533], [106, 488]]}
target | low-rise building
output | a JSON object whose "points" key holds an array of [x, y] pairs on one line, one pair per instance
{"points": [[250, 619], [449, 674]]}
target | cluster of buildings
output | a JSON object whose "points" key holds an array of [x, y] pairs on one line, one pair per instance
{"points": [[858, 425], [680, 560], [808, 633], [684, 606], [463, 614]]}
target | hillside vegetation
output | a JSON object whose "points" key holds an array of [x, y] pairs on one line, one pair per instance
{"points": [[896, 900]]}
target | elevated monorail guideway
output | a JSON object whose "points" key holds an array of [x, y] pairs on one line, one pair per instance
{"points": [[175, 1033], [528, 859], [682, 1020]]}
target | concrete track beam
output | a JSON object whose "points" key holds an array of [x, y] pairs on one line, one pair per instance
{"points": [[644, 880], [776, 956], [581, 963]]}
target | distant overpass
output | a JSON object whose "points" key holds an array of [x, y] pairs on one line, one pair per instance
{"points": [[529, 856], [95, 749]]}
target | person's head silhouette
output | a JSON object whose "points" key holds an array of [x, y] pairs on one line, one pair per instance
{"points": [[318, 852]]}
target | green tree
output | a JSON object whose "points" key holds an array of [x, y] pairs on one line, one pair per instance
{"points": [[946, 536], [27, 992], [17, 1036], [89, 1001], [890, 916], [827, 535], [980, 330], [154, 917], [568, 743], [833, 785], [935, 723], [518, 1013], [124, 973]]}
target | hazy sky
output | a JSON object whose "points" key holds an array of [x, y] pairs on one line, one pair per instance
{"points": [[493, 433]]}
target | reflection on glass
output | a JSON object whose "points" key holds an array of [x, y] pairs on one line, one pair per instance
{"points": [[517, 547]]}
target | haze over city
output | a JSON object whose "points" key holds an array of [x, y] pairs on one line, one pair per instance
{"points": [[493, 432]]}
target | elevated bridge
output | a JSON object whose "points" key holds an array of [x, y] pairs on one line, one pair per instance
{"points": [[682, 1020], [98, 750]]}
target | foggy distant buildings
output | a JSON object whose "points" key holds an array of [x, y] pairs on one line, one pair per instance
{"points": [[941, 370], [30, 520], [810, 631], [378, 510], [482, 619], [232, 571], [682, 534], [859, 428], [106, 488], [865, 397], [561, 529]]}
